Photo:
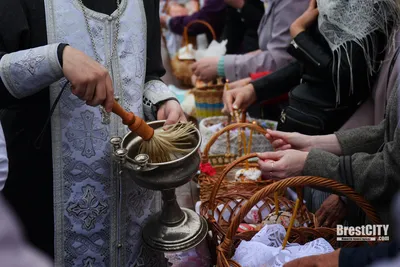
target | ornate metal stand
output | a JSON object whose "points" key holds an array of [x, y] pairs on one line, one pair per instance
{"points": [[174, 228]]}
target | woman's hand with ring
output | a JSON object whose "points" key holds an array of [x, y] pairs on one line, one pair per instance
{"points": [[282, 164]]}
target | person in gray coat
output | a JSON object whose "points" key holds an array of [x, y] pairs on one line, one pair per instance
{"points": [[365, 158]]}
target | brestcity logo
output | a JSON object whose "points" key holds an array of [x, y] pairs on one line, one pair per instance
{"points": [[369, 232]]}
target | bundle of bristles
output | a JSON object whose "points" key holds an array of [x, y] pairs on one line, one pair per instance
{"points": [[168, 144], [161, 145]]}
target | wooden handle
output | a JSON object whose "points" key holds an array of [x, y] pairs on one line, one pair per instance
{"points": [[134, 123]]}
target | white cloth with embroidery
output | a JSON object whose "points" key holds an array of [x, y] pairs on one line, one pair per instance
{"points": [[265, 248]]}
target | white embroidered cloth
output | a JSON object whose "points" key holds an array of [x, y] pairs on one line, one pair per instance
{"points": [[265, 249]]}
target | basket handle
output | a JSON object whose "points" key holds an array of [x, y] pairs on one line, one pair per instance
{"points": [[218, 183], [186, 29], [233, 126], [227, 245]]}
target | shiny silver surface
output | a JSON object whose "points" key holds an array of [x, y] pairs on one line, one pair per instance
{"points": [[161, 176], [132, 142], [173, 229], [186, 234], [121, 153], [116, 142]]}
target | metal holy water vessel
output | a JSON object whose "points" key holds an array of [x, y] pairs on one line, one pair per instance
{"points": [[173, 229]]}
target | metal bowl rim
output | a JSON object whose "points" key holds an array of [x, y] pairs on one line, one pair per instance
{"points": [[195, 149]]}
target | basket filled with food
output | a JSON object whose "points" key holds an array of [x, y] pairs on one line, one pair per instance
{"points": [[279, 229], [245, 176]]}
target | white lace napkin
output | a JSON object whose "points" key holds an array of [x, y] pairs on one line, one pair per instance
{"points": [[265, 248]]}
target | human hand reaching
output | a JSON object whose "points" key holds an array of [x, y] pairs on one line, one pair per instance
{"points": [[239, 83], [172, 112], [90, 81], [305, 20], [238, 99], [206, 68], [282, 164], [332, 211], [323, 260], [283, 140]]}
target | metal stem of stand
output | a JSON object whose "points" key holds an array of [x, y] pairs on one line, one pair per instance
{"points": [[173, 229], [171, 213]]}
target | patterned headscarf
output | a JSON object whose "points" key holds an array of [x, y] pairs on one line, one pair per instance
{"points": [[344, 21]]}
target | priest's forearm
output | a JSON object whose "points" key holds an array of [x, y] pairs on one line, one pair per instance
{"points": [[25, 73], [155, 91]]}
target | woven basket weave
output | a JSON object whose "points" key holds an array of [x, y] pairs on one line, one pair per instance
{"points": [[219, 147], [219, 162], [208, 99], [227, 240], [182, 68]]}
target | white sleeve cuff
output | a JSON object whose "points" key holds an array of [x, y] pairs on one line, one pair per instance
{"points": [[26, 72], [155, 92]]}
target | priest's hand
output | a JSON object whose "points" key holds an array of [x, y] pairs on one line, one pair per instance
{"points": [[239, 98], [324, 260], [332, 211], [282, 164], [283, 140], [89, 79], [206, 69], [172, 112]]}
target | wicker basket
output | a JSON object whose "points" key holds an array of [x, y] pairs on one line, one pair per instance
{"points": [[219, 162], [230, 238], [182, 68], [221, 210], [208, 99], [220, 146]]}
